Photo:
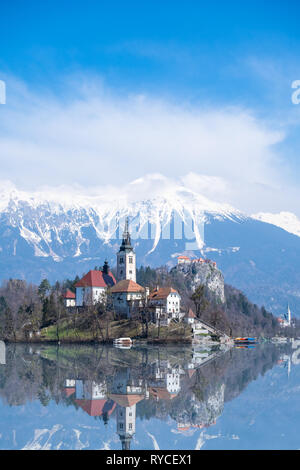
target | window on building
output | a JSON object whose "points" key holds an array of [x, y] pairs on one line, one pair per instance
{"points": [[130, 259], [121, 260]]}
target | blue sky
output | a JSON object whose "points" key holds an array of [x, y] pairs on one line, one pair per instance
{"points": [[194, 48], [234, 61]]}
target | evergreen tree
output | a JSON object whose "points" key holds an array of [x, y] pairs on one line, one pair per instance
{"points": [[44, 289]]}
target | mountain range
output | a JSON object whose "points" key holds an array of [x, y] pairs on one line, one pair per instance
{"points": [[57, 235]]}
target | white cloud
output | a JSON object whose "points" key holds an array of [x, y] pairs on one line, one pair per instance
{"points": [[89, 136]]}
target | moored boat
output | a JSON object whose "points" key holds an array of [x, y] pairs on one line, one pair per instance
{"points": [[245, 340], [123, 342], [279, 339]]}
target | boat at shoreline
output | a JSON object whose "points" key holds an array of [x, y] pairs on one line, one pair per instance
{"points": [[245, 341], [279, 339], [124, 343]]}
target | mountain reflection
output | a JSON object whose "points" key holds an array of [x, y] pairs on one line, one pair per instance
{"points": [[186, 384]]}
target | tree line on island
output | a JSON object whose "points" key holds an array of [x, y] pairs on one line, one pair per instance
{"points": [[27, 308]]}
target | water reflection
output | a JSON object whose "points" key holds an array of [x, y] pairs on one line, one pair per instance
{"points": [[2, 352], [182, 386]]}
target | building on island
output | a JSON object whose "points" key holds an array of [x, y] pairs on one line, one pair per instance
{"points": [[165, 302], [69, 298], [126, 260], [186, 260], [286, 319], [183, 259], [190, 317], [93, 286], [128, 297]]}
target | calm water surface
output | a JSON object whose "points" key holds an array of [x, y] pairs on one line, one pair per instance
{"points": [[95, 397]]}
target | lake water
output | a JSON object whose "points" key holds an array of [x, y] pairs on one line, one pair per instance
{"points": [[100, 397]]}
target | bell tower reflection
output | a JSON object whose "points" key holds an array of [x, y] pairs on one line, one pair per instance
{"points": [[2, 353], [127, 391], [126, 417]]}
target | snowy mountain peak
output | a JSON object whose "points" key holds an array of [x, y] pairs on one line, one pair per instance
{"points": [[47, 218]]}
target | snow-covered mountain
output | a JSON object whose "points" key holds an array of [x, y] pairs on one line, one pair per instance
{"points": [[286, 220], [60, 234]]}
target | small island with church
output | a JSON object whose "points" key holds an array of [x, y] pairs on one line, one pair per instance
{"points": [[189, 303], [134, 310]]}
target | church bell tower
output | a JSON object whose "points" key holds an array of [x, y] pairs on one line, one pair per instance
{"points": [[126, 262]]}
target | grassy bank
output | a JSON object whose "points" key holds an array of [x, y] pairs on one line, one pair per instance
{"points": [[107, 332]]}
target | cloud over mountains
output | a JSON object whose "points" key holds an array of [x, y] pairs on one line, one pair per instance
{"points": [[88, 136]]}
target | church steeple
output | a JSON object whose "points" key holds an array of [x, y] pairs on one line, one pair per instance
{"points": [[126, 241], [126, 265]]}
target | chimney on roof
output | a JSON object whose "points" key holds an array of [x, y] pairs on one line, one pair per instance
{"points": [[105, 269]]}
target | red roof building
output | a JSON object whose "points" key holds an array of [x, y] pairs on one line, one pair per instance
{"points": [[127, 296], [190, 314], [183, 259], [93, 286], [96, 278], [69, 294], [69, 298], [127, 285], [162, 293], [190, 317]]}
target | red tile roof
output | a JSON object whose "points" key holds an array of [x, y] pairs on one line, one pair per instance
{"points": [[162, 293], [69, 294], [127, 285], [96, 279], [190, 314]]}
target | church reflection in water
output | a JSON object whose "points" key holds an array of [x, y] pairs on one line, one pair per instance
{"points": [[158, 381], [187, 385]]}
